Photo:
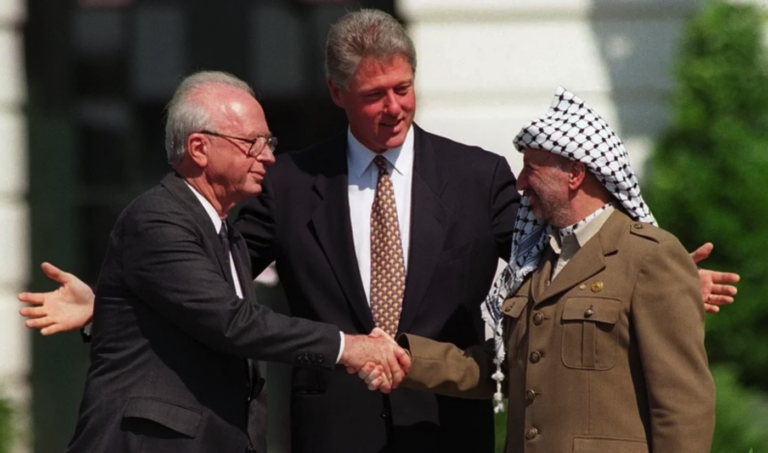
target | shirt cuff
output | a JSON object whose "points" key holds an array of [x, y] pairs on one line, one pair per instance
{"points": [[341, 347]]}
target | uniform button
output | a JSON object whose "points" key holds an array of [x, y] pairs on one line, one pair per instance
{"points": [[530, 395], [589, 313], [638, 226], [531, 433], [320, 359], [535, 357], [538, 318], [385, 414]]}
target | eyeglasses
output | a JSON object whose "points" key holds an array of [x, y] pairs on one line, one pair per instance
{"points": [[257, 144]]}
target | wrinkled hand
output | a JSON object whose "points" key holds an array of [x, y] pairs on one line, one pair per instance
{"points": [[379, 351], [714, 288], [69, 307]]}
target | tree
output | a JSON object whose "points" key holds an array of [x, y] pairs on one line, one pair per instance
{"points": [[707, 182], [707, 176]]}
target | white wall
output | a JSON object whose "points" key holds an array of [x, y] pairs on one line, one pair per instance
{"points": [[487, 66], [15, 352]]}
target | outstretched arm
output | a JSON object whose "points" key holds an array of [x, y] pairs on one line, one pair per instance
{"points": [[69, 307], [715, 290]]}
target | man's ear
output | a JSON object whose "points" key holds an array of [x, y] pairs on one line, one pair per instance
{"points": [[577, 171], [335, 93], [197, 149]]}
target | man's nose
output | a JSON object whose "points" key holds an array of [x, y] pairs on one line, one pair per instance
{"points": [[267, 157], [522, 181], [392, 104]]}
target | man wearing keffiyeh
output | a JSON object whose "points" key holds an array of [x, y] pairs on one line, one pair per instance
{"points": [[597, 319]]}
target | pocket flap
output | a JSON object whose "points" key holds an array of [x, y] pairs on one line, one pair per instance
{"points": [[513, 306], [592, 309], [601, 445], [177, 418]]}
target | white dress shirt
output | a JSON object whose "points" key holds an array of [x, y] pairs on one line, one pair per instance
{"points": [[363, 176], [217, 223]]}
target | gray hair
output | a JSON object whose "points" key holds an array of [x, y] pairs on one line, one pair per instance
{"points": [[186, 115], [364, 33]]}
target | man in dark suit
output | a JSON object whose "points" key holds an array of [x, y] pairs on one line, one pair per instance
{"points": [[174, 317], [455, 208]]}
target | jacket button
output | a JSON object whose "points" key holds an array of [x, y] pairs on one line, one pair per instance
{"points": [[385, 414], [589, 313], [531, 433], [638, 226], [530, 395], [535, 357], [538, 318]]}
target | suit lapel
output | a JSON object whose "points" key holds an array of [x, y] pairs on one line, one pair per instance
{"points": [[242, 263], [176, 185], [590, 259], [429, 222], [541, 276], [331, 225]]}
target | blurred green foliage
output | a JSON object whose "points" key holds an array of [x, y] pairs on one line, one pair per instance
{"points": [[707, 183], [6, 426], [707, 177], [742, 415]]}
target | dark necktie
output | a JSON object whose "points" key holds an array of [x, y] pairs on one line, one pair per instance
{"points": [[387, 264], [224, 238]]}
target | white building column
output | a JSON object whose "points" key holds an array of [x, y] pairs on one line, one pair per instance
{"points": [[15, 349], [487, 66]]}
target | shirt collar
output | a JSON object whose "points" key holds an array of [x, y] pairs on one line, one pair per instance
{"points": [[583, 230], [359, 157], [209, 209]]}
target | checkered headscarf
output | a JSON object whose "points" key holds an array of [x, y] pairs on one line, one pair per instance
{"points": [[570, 129]]}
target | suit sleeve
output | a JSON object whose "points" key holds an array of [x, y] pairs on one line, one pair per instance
{"points": [[165, 265], [668, 319], [445, 369], [504, 200], [256, 223]]}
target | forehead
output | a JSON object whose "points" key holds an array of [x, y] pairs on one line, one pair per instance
{"points": [[542, 158], [235, 109], [373, 71]]}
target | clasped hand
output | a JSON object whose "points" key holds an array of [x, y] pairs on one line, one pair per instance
{"points": [[377, 359]]}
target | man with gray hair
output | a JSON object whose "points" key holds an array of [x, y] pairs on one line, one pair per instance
{"points": [[175, 318], [382, 225]]}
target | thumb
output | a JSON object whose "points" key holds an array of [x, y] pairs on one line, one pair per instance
{"points": [[379, 333], [702, 252], [54, 273]]}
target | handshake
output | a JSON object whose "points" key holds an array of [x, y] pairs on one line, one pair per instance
{"points": [[377, 359]]}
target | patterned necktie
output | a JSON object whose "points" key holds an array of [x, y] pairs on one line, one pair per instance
{"points": [[387, 264]]}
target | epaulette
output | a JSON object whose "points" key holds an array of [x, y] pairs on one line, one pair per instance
{"points": [[647, 231]]}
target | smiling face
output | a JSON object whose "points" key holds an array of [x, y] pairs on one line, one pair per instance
{"points": [[548, 186], [230, 172], [379, 101]]}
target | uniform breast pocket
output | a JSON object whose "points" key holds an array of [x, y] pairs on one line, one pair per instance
{"points": [[590, 335]]}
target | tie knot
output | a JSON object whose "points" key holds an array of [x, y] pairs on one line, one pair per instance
{"points": [[381, 162]]}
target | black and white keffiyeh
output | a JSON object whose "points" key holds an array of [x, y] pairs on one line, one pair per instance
{"points": [[570, 129]]}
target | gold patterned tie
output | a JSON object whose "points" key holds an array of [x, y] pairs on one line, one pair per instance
{"points": [[387, 265]]}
